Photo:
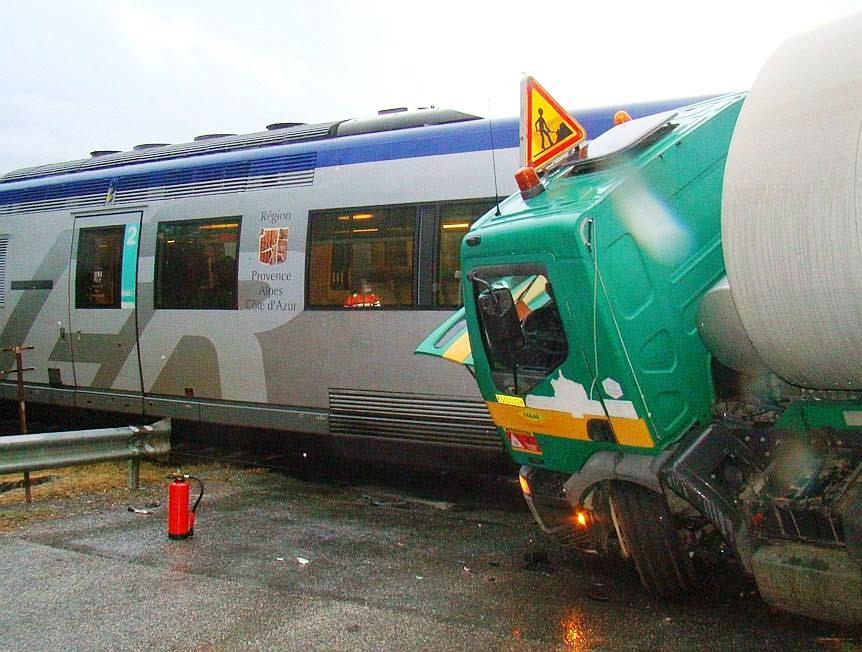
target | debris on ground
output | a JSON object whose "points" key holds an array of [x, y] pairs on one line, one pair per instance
{"points": [[536, 560], [597, 591], [409, 502], [135, 510], [385, 503]]}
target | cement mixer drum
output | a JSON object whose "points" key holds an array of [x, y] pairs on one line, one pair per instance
{"points": [[792, 209]]}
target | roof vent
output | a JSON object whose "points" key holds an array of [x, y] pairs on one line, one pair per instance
{"points": [[397, 109], [211, 136], [284, 125], [96, 153], [144, 146], [400, 119]]}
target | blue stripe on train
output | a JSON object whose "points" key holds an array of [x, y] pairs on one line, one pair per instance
{"points": [[463, 137]]}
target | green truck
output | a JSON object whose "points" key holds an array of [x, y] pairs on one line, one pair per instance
{"points": [[667, 333]]}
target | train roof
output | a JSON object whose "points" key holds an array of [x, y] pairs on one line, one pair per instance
{"points": [[275, 134], [286, 155]]}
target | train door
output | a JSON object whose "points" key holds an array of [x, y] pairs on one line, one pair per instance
{"points": [[103, 319]]}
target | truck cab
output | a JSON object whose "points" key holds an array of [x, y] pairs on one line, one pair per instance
{"points": [[580, 297], [584, 295], [596, 318]]}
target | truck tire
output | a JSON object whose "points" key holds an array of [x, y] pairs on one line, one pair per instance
{"points": [[645, 527]]}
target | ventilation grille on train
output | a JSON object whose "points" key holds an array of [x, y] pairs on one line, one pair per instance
{"points": [[182, 150], [412, 417], [233, 177], [4, 247]]}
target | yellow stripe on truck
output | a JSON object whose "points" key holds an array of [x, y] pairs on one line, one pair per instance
{"points": [[458, 349], [553, 423]]}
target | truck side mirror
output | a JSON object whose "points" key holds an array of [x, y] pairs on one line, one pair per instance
{"points": [[501, 323]]}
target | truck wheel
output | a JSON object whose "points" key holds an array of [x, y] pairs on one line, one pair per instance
{"points": [[645, 527]]}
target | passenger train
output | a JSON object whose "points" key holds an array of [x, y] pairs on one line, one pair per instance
{"points": [[277, 280]]}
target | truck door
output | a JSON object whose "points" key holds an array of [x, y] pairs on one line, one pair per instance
{"points": [[103, 319]]}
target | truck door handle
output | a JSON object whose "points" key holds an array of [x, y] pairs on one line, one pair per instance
{"points": [[587, 233]]}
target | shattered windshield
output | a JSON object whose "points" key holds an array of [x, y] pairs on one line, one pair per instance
{"points": [[522, 332]]}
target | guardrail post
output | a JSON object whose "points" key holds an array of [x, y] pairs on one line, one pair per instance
{"points": [[22, 408], [133, 473]]}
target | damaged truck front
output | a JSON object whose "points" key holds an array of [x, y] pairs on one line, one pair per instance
{"points": [[667, 334]]}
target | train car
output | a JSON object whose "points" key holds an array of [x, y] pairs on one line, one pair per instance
{"points": [[277, 280]]}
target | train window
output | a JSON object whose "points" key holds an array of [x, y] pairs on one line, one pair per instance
{"points": [[362, 258], [196, 264], [455, 221], [99, 267]]}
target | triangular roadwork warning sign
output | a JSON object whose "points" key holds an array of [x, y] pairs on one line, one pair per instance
{"points": [[547, 129]]}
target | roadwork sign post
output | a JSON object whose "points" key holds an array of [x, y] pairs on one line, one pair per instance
{"points": [[22, 409]]}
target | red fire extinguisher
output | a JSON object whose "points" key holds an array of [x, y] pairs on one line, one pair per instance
{"points": [[181, 520]]}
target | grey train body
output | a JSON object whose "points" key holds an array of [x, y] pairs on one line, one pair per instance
{"points": [[279, 280]]}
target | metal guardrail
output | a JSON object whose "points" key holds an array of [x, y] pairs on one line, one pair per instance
{"points": [[54, 449]]}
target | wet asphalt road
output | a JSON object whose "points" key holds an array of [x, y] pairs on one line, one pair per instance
{"points": [[422, 565]]}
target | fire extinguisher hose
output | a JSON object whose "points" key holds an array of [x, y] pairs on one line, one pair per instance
{"points": [[200, 495]]}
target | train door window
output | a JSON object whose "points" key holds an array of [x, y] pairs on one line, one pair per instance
{"points": [[99, 267], [362, 258], [196, 264], [455, 221]]}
